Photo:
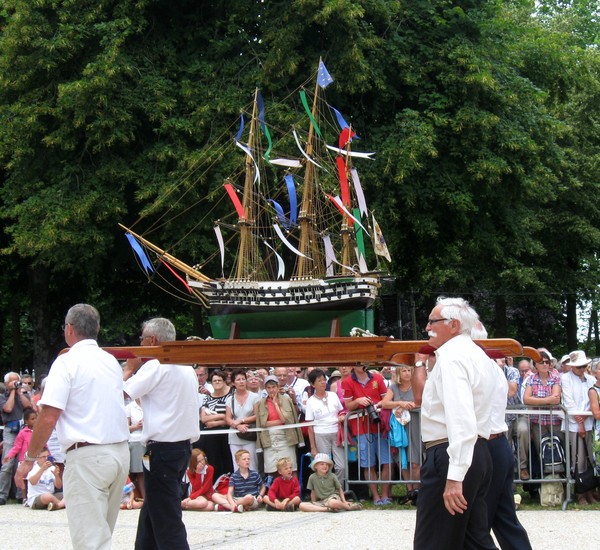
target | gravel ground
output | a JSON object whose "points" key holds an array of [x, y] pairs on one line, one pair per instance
{"points": [[25, 529]]}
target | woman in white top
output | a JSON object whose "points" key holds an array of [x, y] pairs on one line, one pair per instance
{"points": [[240, 414], [324, 408]]}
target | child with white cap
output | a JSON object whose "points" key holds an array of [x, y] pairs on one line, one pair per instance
{"points": [[326, 494]]}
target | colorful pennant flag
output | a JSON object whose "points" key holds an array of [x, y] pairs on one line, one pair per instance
{"points": [[140, 253], [235, 200]]}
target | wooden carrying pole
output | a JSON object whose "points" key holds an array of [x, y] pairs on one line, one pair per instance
{"points": [[327, 352]]}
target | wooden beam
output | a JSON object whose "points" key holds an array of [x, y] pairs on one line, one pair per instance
{"points": [[328, 352]]}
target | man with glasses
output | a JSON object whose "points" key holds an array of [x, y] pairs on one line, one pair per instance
{"points": [[169, 398], [12, 404], [455, 424], [83, 399]]}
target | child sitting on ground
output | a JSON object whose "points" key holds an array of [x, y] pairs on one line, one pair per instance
{"points": [[246, 488], [200, 474], [284, 493], [43, 478], [326, 493], [128, 500]]}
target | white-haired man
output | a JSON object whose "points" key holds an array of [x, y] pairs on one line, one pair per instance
{"points": [[169, 397], [455, 424]]}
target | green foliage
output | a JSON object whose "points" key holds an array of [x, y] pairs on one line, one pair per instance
{"points": [[484, 116]]}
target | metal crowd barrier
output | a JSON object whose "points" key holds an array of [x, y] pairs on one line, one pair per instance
{"points": [[524, 426]]}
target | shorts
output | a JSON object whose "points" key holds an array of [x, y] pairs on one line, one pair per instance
{"points": [[325, 502], [37, 503], [372, 447], [255, 504], [136, 455]]}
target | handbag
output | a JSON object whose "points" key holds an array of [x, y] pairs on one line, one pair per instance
{"points": [[246, 436], [584, 481]]}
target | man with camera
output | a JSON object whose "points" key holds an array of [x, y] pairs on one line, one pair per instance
{"points": [[12, 404], [455, 425], [365, 390]]}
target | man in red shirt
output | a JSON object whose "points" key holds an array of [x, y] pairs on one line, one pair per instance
{"points": [[365, 390]]}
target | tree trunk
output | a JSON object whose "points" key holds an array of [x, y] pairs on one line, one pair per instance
{"points": [[40, 324], [571, 324], [501, 325]]}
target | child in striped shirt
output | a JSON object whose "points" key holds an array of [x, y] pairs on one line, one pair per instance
{"points": [[246, 487]]}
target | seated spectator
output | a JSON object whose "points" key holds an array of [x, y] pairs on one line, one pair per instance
{"points": [[543, 389], [200, 474], [326, 494], [240, 415], [399, 398], [277, 409], [42, 480], [128, 500], [284, 492], [212, 415], [246, 487], [324, 408]]}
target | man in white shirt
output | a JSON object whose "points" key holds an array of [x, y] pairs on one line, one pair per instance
{"points": [[455, 424], [169, 398], [83, 398]]}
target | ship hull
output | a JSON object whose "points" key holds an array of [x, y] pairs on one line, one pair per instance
{"points": [[282, 309], [289, 323]]}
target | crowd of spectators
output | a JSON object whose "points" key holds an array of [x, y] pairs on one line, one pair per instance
{"points": [[243, 414]]}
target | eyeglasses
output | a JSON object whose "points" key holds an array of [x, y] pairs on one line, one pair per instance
{"points": [[544, 362], [434, 321], [578, 367], [66, 325], [144, 336]]}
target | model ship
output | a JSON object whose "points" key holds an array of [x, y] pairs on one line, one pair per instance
{"points": [[301, 258]]}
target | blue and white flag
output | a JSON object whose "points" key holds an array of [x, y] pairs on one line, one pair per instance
{"points": [[323, 77]]}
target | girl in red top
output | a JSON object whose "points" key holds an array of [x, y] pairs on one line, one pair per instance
{"points": [[200, 474]]}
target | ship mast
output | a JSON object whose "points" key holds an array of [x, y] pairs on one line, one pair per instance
{"points": [[248, 251], [305, 267]]}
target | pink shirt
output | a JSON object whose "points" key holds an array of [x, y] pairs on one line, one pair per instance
{"points": [[21, 444]]}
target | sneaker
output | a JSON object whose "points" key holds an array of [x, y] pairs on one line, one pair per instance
{"points": [[218, 508], [524, 474], [290, 508], [239, 509], [51, 507], [2, 501], [355, 506]]}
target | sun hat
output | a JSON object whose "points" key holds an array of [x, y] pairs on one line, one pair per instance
{"points": [[320, 457], [335, 374], [578, 359], [271, 378]]}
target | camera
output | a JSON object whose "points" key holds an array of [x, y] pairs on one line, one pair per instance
{"points": [[373, 414], [50, 458], [18, 385], [286, 388]]}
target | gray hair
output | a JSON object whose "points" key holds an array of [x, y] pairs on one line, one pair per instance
{"points": [[159, 327], [85, 320], [459, 309], [478, 332], [9, 375]]}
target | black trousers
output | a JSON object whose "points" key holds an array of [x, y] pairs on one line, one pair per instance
{"points": [[502, 516], [436, 528], [160, 526]]}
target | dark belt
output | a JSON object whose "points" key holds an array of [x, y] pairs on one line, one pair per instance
{"points": [[494, 436], [79, 445], [152, 442], [435, 443]]}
